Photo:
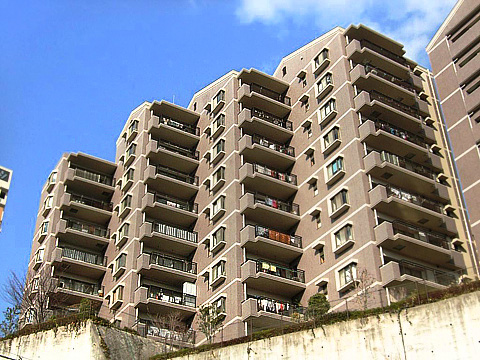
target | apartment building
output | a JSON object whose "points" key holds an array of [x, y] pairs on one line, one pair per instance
{"points": [[454, 55], [264, 191], [5, 180]]}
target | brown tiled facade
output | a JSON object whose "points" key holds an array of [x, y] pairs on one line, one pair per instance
{"points": [[455, 59], [263, 192]]}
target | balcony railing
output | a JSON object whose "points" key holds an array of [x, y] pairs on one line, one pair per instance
{"points": [[288, 178], [267, 267], [88, 228], [407, 164], [272, 119], [191, 129], [171, 296], [414, 199], [395, 104], [387, 76], [422, 272], [166, 171], [173, 263], [167, 334], [288, 150], [174, 232], [270, 94], [286, 206], [421, 234], [387, 53], [90, 175], [293, 240], [193, 154], [82, 199], [273, 306], [176, 203], [79, 286], [84, 256], [403, 134]]}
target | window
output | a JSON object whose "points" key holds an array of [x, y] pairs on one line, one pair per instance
{"points": [[126, 203], [389, 157], [338, 200], [47, 204], [131, 150], [133, 127], [323, 289], [121, 261], [308, 129], [347, 274], [218, 98], [331, 136], [218, 270], [327, 109], [321, 252], [52, 179], [218, 237], [218, 123], [218, 147], [343, 235], [123, 231], [318, 220], [218, 205], [129, 174], [335, 167], [321, 57], [218, 175], [284, 71], [304, 82], [311, 157], [324, 82], [44, 227], [39, 255], [315, 188], [195, 106]]}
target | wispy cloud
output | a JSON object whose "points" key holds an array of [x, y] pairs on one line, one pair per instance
{"points": [[411, 22]]}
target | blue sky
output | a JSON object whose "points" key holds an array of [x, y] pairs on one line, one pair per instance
{"points": [[71, 71]]}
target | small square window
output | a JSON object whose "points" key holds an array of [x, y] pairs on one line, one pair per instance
{"points": [[284, 71]]}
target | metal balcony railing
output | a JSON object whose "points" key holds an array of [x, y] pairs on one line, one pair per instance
{"points": [[176, 203], [88, 228], [421, 234], [191, 129], [79, 286], [286, 206], [173, 263], [271, 118], [284, 149], [273, 306], [414, 199], [425, 273], [267, 267], [407, 164], [171, 296], [270, 94], [82, 199], [84, 256], [390, 77], [387, 53], [288, 178], [375, 95], [166, 171], [193, 154], [175, 232], [267, 233], [187, 336], [398, 132], [93, 176]]}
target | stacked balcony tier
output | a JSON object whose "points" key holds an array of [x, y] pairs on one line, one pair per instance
{"points": [[162, 301], [166, 268], [167, 238]]}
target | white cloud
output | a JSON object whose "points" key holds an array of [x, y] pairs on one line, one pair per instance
{"points": [[411, 22]]}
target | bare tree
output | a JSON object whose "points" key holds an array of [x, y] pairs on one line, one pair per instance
{"points": [[209, 321], [172, 325], [363, 285]]}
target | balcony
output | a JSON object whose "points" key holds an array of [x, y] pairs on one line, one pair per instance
{"points": [[173, 156], [373, 104], [383, 135], [271, 212], [170, 181], [418, 243], [257, 149], [404, 272], [82, 233], [170, 209], [368, 78], [163, 301], [260, 97], [364, 51], [264, 312], [411, 207], [265, 242], [272, 278], [261, 178], [171, 130], [167, 238], [400, 172], [83, 180], [265, 124], [86, 208], [167, 336], [82, 262], [73, 291], [166, 268]]}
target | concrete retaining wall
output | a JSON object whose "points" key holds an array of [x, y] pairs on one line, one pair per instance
{"points": [[448, 329]]}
